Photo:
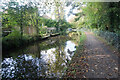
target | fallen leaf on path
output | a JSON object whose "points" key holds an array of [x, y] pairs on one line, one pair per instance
{"points": [[87, 64], [84, 76], [116, 68], [86, 70], [110, 74]]}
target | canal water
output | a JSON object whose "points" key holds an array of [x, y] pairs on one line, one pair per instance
{"points": [[46, 59]]}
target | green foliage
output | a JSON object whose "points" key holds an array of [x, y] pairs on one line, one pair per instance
{"points": [[110, 37], [14, 35], [13, 40], [100, 15], [42, 31], [21, 18]]}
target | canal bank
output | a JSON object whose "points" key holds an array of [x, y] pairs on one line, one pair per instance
{"points": [[10, 44], [78, 65], [47, 59]]}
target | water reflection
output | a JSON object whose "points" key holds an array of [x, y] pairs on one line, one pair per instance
{"points": [[24, 66], [46, 59], [69, 49]]}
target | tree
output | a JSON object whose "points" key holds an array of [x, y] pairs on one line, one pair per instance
{"points": [[101, 15]]}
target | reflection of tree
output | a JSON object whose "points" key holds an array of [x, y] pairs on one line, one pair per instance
{"points": [[70, 52], [37, 47], [75, 37], [57, 66], [35, 67], [23, 68]]}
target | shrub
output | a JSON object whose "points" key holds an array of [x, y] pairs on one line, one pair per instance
{"points": [[112, 38], [13, 40]]}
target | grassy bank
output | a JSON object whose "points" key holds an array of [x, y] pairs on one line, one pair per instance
{"points": [[10, 44], [76, 65], [14, 41]]}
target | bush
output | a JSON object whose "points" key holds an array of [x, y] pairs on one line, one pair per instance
{"points": [[112, 38], [13, 40]]}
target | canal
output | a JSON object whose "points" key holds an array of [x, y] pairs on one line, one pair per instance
{"points": [[47, 59]]}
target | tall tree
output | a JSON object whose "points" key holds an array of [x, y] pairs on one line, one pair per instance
{"points": [[101, 15]]}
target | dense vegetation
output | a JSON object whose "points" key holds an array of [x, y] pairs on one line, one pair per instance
{"points": [[18, 19], [23, 24], [102, 18], [100, 15]]}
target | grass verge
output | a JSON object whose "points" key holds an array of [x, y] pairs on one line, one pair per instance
{"points": [[76, 67]]}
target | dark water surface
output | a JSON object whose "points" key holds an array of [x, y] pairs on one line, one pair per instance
{"points": [[42, 59]]}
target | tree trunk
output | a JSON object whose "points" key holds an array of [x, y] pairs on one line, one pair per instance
{"points": [[37, 29], [111, 17], [21, 26]]}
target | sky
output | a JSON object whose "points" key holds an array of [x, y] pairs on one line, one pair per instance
{"points": [[68, 15]]}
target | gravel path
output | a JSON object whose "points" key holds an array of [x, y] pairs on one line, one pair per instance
{"points": [[103, 63]]}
